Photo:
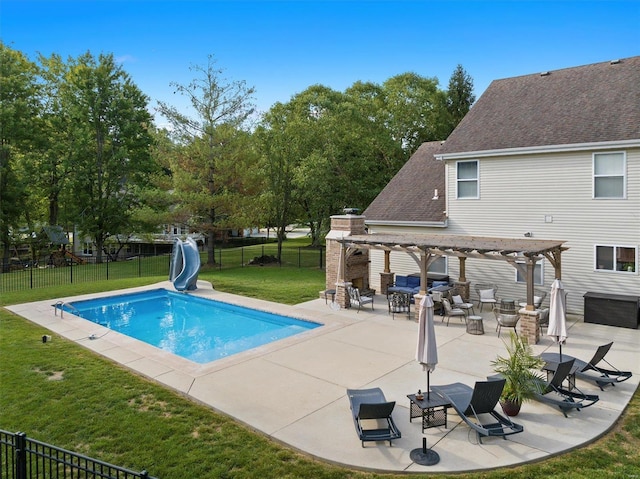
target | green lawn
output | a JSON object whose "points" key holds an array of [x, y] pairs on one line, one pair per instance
{"points": [[61, 393]]}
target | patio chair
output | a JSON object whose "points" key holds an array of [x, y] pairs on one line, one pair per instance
{"points": [[590, 371], [460, 303], [448, 311], [370, 408], [357, 300], [486, 294], [554, 394], [506, 320], [538, 298], [482, 399], [543, 320], [400, 303]]}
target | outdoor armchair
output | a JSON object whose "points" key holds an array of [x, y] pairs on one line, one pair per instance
{"points": [[357, 300]]}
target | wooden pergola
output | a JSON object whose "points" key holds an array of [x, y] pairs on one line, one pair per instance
{"points": [[522, 254]]}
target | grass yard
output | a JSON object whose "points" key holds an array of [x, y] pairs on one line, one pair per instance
{"points": [[64, 394]]}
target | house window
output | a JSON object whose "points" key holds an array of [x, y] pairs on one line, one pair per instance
{"points": [[467, 179], [538, 274], [439, 265], [609, 175], [616, 258], [87, 248]]}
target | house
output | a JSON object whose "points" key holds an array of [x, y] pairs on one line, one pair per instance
{"points": [[553, 156]]}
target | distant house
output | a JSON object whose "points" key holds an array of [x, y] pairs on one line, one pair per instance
{"points": [[554, 155]]}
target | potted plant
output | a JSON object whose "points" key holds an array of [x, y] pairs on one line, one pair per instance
{"points": [[519, 369]]}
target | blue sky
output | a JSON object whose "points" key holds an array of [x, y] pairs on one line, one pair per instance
{"points": [[283, 47]]}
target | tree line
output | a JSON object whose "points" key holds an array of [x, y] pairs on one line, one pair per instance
{"points": [[79, 148]]}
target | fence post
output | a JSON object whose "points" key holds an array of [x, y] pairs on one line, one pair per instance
{"points": [[71, 272], [31, 276], [21, 455], [144, 474], [320, 249]]}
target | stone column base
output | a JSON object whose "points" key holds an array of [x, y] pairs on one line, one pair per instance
{"points": [[530, 325], [342, 296], [386, 280]]}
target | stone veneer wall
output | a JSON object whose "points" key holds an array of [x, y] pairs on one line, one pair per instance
{"points": [[357, 264]]}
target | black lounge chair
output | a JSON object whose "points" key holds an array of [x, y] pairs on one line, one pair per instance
{"points": [[554, 394], [590, 371], [370, 405], [482, 399]]}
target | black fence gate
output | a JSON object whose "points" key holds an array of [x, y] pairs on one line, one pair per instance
{"points": [[23, 458]]}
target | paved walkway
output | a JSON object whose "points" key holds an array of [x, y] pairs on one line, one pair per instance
{"points": [[294, 390]]}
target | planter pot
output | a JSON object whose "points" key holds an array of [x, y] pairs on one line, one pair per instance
{"points": [[510, 408]]}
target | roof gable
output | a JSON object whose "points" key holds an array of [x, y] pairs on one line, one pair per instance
{"points": [[588, 104], [408, 196]]}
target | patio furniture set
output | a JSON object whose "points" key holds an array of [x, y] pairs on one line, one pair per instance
{"points": [[372, 413]]}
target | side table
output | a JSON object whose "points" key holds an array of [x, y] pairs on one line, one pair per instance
{"points": [[475, 325], [432, 410], [329, 292]]}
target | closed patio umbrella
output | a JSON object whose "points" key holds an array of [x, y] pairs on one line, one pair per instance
{"points": [[426, 352], [427, 356], [557, 314]]}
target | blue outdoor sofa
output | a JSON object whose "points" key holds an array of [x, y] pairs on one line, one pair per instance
{"points": [[405, 284]]}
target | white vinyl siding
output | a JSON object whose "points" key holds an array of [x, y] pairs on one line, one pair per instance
{"points": [[609, 175], [550, 196]]}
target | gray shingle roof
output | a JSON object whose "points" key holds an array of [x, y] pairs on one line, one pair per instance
{"points": [[408, 196], [586, 104]]}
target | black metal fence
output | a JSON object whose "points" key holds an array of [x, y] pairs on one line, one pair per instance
{"points": [[21, 276], [24, 458]]}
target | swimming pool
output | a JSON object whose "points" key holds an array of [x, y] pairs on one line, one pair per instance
{"points": [[198, 329]]}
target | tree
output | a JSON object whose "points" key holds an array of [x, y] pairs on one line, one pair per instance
{"points": [[220, 107], [460, 96], [415, 108], [18, 111], [108, 146]]}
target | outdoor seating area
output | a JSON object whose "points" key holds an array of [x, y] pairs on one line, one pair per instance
{"points": [[304, 382]]}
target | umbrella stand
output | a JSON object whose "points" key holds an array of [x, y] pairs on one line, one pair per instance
{"points": [[424, 456], [428, 388]]}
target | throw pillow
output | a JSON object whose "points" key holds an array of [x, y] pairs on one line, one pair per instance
{"points": [[486, 294]]}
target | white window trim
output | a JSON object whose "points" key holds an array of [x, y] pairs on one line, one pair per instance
{"points": [[615, 247], [593, 176], [446, 266], [477, 180], [538, 263]]}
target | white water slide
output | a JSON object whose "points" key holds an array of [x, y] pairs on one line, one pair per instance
{"points": [[185, 265]]}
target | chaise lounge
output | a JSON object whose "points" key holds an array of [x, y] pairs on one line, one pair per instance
{"points": [[554, 394], [590, 371], [369, 408], [482, 399]]}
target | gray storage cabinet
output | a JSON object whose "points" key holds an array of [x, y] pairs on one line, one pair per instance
{"points": [[612, 309]]}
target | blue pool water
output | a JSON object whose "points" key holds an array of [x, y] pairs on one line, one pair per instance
{"points": [[197, 329]]}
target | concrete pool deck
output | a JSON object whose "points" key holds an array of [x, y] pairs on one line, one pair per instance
{"points": [[294, 390]]}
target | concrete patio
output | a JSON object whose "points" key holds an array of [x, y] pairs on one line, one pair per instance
{"points": [[294, 390]]}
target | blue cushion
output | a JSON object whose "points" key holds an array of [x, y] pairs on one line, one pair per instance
{"points": [[401, 281], [413, 282], [439, 283]]}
